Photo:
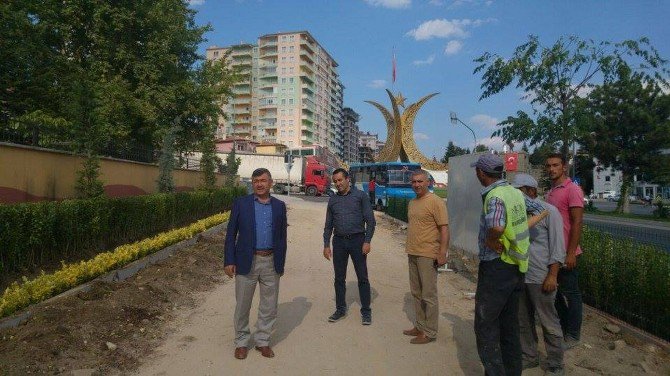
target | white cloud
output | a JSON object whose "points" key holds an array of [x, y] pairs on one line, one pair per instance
{"points": [[437, 3], [442, 28], [194, 3], [393, 4], [421, 136], [428, 61], [494, 143], [484, 121], [377, 84], [453, 47]]}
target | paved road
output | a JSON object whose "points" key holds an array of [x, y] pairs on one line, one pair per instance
{"points": [[637, 209], [644, 231]]}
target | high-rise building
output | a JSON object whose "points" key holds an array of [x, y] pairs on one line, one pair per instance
{"points": [[291, 92], [350, 136]]}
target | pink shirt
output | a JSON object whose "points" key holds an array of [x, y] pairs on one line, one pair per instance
{"points": [[565, 196]]}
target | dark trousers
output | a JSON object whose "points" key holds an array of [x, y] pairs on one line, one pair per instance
{"points": [[569, 303], [499, 287], [372, 198], [343, 247]]}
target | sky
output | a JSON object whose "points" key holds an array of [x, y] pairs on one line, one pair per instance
{"points": [[435, 43]]}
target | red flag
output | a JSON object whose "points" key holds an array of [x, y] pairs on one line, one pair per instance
{"points": [[511, 161], [394, 66]]}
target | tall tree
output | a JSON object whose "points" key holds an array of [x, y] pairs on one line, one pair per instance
{"points": [[625, 125], [481, 148], [452, 151], [553, 77]]}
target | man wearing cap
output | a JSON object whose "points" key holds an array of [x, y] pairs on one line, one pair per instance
{"points": [[546, 254], [503, 247]]}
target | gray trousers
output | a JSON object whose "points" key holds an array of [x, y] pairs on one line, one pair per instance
{"points": [[262, 272], [423, 285], [533, 300]]}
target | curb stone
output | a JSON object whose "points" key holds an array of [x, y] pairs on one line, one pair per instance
{"points": [[117, 275]]}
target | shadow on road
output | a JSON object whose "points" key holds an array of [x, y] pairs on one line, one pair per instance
{"points": [[354, 297], [290, 316], [466, 345]]}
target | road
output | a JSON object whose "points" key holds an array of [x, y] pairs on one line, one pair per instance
{"points": [[306, 344], [637, 209]]}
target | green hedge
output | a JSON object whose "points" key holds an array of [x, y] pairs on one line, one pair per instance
{"points": [[36, 234], [626, 279], [622, 277], [397, 208]]}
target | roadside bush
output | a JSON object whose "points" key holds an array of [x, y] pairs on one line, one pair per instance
{"points": [[397, 208], [35, 234], [626, 279], [46, 285]]}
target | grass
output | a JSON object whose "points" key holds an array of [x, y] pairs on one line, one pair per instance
{"points": [[442, 192]]}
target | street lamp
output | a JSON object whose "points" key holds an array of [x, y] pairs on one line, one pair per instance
{"points": [[455, 120]]}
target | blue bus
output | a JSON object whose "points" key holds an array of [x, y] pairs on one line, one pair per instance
{"points": [[393, 179]]}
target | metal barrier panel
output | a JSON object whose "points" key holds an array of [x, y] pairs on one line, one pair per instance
{"points": [[464, 203]]}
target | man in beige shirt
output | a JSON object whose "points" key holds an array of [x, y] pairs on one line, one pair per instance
{"points": [[427, 248]]}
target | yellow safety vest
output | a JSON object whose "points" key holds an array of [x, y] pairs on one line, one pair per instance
{"points": [[515, 237]]}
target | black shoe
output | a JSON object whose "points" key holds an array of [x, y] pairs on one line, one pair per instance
{"points": [[337, 316], [366, 318]]}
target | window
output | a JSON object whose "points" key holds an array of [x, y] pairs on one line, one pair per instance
{"points": [[290, 79], [290, 48], [291, 70], [290, 89], [283, 70], [216, 53], [607, 178], [283, 102], [283, 80], [283, 59], [290, 122], [283, 49], [284, 37], [290, 101]]}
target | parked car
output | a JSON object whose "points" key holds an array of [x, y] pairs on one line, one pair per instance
{"points": [[615, 198], [609, 194], [587, 201]]}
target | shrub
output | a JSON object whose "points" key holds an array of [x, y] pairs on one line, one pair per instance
{"points": [[626, 279], [18, 296], [35, 234]]}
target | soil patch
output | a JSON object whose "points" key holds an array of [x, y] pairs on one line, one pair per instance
{"points": [[110, 328]]}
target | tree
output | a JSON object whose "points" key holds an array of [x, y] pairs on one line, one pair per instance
{"points": [[625, 125], [453, 151], [209, 162], [553, 77], [166, 162], [231, 167], [481, 148]]}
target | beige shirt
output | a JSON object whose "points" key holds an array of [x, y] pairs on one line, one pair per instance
{"points": [[425, 215]]}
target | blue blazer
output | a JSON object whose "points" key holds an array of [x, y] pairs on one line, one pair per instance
{"points": [[241, 235]]}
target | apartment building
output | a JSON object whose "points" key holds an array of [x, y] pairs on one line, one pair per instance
{"points": [[291, 92], [350, 136]]}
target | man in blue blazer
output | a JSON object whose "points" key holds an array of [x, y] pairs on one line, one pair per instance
{"points": [[255, 251]]}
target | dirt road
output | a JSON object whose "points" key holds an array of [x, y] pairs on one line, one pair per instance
{"points": [[306, 344]]}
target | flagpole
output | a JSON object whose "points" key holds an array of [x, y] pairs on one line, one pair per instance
{"points": [[393, 72]]}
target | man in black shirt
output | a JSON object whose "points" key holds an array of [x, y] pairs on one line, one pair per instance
{"points": [[350, 215]]}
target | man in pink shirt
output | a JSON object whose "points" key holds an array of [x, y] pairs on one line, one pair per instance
{"points": [[568, 198]]}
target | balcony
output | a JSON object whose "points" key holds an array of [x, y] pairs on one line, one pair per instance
{"points": [[306, 79], [307, 45], [308, 104], [306, 68], [306, 57]]}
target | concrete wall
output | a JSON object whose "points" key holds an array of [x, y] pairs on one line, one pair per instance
{"points": [[34, 174]]}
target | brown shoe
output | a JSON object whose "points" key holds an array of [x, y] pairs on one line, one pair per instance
{"points": [[241, 352], [412, 332], [421, 339], [266, 351]]}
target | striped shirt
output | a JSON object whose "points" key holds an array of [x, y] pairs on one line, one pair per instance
{"points": [[497, 217]]}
